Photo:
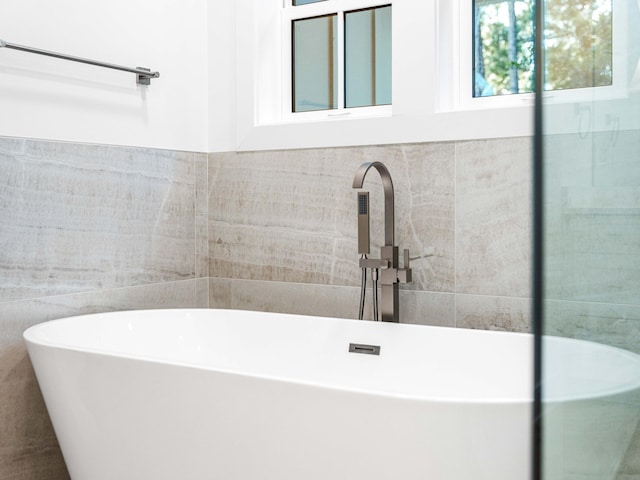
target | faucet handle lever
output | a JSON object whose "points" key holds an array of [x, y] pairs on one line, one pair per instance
{"points": [[404, 274]]}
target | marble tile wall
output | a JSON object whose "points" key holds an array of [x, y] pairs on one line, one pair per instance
{"points": [[87, 228], [462, 208]]}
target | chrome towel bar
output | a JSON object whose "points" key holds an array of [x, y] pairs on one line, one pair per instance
{"points": [[144, 75]]}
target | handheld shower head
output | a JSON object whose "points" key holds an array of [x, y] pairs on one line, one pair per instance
{"points": [[387, 185], [364, 247]]}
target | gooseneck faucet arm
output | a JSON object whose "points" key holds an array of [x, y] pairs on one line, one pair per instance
{"points": [[390, 272], [387, 185]]}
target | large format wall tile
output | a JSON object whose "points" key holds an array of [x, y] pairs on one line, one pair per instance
{"points": [[574, 170], [493, 217], [291, 215], [82, 217], [87, 228], [615, 159], [428, 217], [423, 308], [273, 216], [286, 297], [592, 218], [507, 314], [608, 323], [600, 258]]}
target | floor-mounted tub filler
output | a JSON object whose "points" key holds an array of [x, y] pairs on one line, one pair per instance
{"points": [[238, 395]]}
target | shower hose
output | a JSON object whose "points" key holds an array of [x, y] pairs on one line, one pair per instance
{"points": [[363, 291]]}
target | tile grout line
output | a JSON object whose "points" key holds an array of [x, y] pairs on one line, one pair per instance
{"points": [[455, 234]]}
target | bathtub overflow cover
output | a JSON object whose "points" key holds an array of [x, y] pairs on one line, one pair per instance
{"points": [[366, 349]]}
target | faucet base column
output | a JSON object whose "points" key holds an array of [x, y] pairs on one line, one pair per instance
{"points": [[389, 302], [389, 279]]}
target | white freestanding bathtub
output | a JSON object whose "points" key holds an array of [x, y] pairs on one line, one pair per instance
{"points": [[237, 395]]}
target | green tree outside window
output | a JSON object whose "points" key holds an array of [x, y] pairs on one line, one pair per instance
{"points": [[578, 45]]}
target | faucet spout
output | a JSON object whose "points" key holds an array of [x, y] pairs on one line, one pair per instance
{"points": [[387, 185]]}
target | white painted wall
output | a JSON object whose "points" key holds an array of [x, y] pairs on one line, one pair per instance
{"points": [[222, 79], [46, 98]]}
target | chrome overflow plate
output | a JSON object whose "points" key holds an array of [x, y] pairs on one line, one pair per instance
{"points": [[366, 349]]}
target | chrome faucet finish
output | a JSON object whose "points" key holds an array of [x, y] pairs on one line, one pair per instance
{"points": [[391, 275]]}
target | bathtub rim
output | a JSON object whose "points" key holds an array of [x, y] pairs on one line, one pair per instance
{"points": [[30, 337]]}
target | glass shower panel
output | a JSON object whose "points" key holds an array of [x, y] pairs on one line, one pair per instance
{"points": [[315, 67], [591, 264], [368, 57]]}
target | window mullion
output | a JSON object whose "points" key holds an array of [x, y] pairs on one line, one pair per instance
{"points": [[340, 51]]}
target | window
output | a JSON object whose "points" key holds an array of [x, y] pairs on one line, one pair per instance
{"points": [[578, 45], [340, 55], [424, 83]]}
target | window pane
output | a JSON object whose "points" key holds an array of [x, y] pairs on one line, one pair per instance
{"points": [[315, 67], [368, 57], [304, 2], [578, 39], [503, 47]]}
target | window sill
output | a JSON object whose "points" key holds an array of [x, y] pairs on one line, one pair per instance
{"points": [[333, 115], [391, 128]]}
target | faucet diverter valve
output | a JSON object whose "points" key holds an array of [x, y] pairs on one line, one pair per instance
{"points": [[390, 272]]}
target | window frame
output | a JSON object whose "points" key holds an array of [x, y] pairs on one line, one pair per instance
{"points": [[461, 96], [291, 13]]}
